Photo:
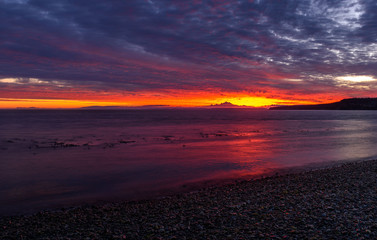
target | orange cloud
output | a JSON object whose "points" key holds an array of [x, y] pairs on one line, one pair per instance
{"points": [[71, 98]]}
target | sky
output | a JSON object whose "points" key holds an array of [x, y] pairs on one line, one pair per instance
{"points": [[75, 53]]}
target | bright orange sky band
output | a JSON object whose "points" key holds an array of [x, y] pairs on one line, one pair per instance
{"points": [[148, 99]]}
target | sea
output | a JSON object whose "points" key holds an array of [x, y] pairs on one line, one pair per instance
{"points": [[51, 159]]}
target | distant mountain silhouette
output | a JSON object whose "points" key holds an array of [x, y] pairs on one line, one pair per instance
{"points": [[345, 104], [123, 107], [224, 104]]}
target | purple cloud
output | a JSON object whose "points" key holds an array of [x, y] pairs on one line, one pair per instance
{"points": [[159, 44]]}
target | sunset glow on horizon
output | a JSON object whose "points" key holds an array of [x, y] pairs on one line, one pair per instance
{"points": [[9, 103], [67, 54]]}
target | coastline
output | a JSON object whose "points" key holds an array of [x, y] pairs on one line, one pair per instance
{"points": [[333, 202]]}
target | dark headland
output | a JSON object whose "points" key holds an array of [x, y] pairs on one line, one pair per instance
{"points": [[345, 104]]}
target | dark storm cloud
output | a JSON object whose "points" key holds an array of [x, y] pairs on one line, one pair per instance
{"points": [[158, 44]]}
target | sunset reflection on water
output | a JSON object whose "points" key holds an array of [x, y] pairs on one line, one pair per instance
{"points": [[50, 161]]}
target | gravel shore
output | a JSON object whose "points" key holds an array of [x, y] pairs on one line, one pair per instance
{"points": [[335, 203]]}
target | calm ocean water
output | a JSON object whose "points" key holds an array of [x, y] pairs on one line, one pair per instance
{"points": [[54, 158]]}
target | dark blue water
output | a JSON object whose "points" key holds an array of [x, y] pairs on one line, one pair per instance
{"points": [[53, 158]]}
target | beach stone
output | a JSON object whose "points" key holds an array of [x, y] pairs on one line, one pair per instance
{"points": [[333, 203]]}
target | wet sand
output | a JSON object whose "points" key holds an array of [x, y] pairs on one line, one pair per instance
{"points": [[337, 202]]}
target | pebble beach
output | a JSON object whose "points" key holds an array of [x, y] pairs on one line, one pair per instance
{"points": [[330, 203]]}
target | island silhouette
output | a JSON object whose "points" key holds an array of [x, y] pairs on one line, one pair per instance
{"points": [[345, 104]]}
